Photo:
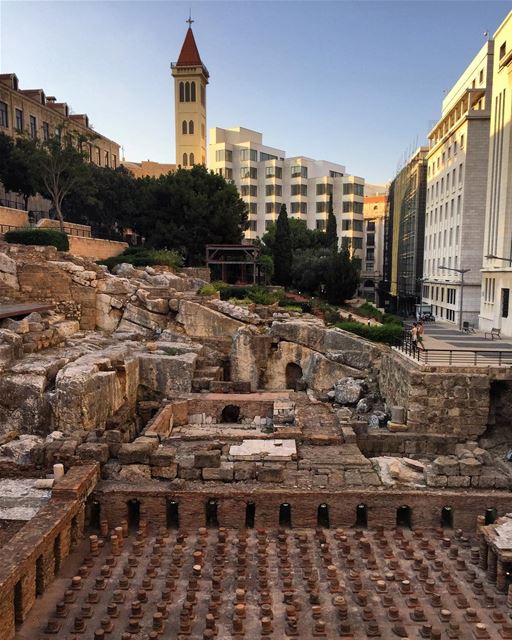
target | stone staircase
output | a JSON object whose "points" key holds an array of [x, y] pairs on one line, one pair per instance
{"points": [[205, 373]]}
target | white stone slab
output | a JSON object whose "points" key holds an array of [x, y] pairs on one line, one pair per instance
{"points": [[276, 450]]}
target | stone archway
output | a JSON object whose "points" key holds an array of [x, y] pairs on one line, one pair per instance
{"points": [[230, 414], [293, 374]]}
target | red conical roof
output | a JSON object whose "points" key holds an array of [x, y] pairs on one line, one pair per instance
{"points": [[189, 55]]}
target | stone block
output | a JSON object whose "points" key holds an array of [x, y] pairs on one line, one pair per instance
{"points": [[353, 477], [163, 456], [484, 481], [435, 480], [136, 452], [135, 472], [93, 451], [189, 474], [458, 481], [207, 459], [168, 472], [244, 470], [270, 474], [320, 480], [223, 473], [482, 455], [446, 466], [470, 467]]}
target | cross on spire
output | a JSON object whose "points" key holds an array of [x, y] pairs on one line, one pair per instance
{"points": [[190, 21]]}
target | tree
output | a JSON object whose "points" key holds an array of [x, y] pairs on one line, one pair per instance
{"points": [[61, 167], [282, 251], [188, 209], [342, 276], [309, 269], [301, 237], [17, 171], [332, 230]]}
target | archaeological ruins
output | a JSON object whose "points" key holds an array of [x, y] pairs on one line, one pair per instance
{"points": [[176, 466]]}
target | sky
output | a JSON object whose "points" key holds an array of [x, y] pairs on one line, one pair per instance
{"points": [[358, 83]]}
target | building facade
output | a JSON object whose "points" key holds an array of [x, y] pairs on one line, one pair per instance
{"points": [[497, 235], [404, 235], [375, 209], [148, 168], [266, 179], [456, 194], [190, 80], [31, 112]]}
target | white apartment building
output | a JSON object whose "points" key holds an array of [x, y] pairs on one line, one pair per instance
{"points": [[497, 236], [266, 178], [456, 191]]}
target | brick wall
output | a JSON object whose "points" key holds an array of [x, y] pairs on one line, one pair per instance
{"points": [[31, 553]]}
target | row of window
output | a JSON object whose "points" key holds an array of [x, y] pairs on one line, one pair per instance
{"points": [[351, 225], [489, 290], [301, 207], [19, 122], [446, 155], [352, 188], [187, 92], [431, 265], [276, 189], [432, 217], [188, 160], [352, 207], [437, 190], [443, 239], [437, 293]]}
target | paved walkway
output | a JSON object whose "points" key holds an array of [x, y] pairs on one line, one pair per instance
{"points": [[442, 335]]}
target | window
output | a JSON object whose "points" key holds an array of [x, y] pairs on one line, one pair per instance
{"points": [[272, 207], [273, 190], [462, 141], [274, 172], [370, 253], [248, 155], [114, 161], [370, 240], [19, 119], [346, 225], [182, 92], [253, 208], [192, 160], [184, 127], [299, 172], [98, 156], [203, 95], [223, 155], [460, 174], [321, 207], [266, 156], [46, 131], [481, 76], [323, 189], [267, 224], [505, 297], [192, 92], [228, 173], [191, 126], [107, 164], [335, 174], [321, 225], [299, 207], [187, 91], [299, 190], [352, 207], [249, 190], [357, 243], [252, 225], [370, 225], [503, 49], [249, 172], [455, 147], [353, 188], [33, 127], [185, 160]]}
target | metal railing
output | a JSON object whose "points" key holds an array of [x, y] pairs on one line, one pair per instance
{"points": [[457, 357]]}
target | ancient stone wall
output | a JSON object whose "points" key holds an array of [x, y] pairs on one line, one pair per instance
{"points": [[30, 561], [437, 400]]}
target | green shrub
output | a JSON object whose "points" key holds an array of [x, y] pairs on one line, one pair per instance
{"points": [[145, 257], [207, 290], [258, 295], [241, 301], [292, 307], [219, 285], [389, 318], [367, 310], [386, 333], [45, 237], [228, 292]]}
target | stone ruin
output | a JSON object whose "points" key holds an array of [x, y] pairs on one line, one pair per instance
{"points": [[272, 444]]}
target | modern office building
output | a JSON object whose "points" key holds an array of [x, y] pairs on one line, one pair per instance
{"points": [[375, 209], [456, 194], [404, 235], [497, 234], [190, 80], [266, 178]]}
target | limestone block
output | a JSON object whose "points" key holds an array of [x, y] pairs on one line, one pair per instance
{"points": [[189, 474], [166, 375], [155, 305], [223, 473], [201, 321], [67, 328], [207, 459], [270, 474], [24, 403], [9, 280], [482, 455], [244, 470], [163, 456], [93, 451], [7, 265], [353, 477], [144, 318], [135, 472], [458, 481], [136, 452], [348, 391], [168, 472], [470, 467], [447, 466], [434, 480], [24, 450]]}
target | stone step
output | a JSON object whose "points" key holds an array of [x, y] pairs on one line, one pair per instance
{"points": [[200, 384], [211, 372]]}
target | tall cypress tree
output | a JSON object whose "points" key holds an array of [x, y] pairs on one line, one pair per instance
{"points": [[282, 251], [342, 276], [331, 230]]}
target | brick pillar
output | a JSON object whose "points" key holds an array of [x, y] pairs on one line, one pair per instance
{"points": [[492, 568], [501, 580]]}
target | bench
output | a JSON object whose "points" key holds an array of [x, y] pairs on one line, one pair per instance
{"points": [[494, 333]]}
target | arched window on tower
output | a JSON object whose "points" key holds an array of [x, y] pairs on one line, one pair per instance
{"points": [[187, 91], [185, 161], [191, 159], [203, 95], [192, 92], [191, 126], [184, 126], [182, 92]]}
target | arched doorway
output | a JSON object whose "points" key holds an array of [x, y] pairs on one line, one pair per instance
{"points": [[133, 508], [285, 515], [173, 516], [230, 414], [250, 515], [293, 375], [211, 517], [322, 516], [447, 518], [361, 516], [404, 517]]}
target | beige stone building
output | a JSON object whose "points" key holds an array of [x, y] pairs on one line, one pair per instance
{"points": [[497, 232], [149, 169], [456, 192], [190, 80], [375, 208], [32, 112]]}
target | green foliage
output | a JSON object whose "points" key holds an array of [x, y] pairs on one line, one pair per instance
{"points": [[342, 277], [207, 290], [145, 257], [367, 310], [301, 237], [292, 307], [266, 268], [305, 307], [282, 252], [386, 333], [256, 294], [45, 237], [241, 301], [389, 318], [309, 269], [331, 230], [17, 171]]}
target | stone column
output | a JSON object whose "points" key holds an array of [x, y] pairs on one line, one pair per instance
{"points": [[501, 579], [492, 567], [483, 553]]}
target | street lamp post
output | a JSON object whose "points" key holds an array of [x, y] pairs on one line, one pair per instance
{"points": [[493, 257], [461, 272]]}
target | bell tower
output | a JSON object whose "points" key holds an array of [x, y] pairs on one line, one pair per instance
{"points": [[190, 80]]}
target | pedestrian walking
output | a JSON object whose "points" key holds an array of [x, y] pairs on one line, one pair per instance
{"points": [[414, 336], [420, 332]]}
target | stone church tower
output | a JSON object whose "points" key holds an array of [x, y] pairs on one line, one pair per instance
{"points": [[190, 80]]}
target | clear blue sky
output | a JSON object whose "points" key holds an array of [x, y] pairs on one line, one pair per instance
{"points": [[352, 82]]}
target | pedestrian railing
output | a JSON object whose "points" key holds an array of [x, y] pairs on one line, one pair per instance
{"points": [[458, 357]]}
